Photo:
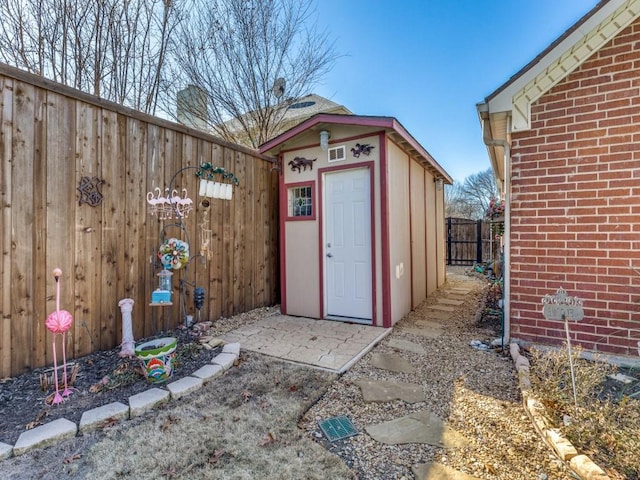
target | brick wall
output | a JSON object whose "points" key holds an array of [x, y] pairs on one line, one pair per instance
{"points": [[576, 203]]}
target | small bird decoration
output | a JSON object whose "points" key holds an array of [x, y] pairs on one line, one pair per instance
{"points": [[58, 323]]}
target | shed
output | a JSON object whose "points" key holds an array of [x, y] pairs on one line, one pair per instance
{"points": [[563, 136], [361, 219]]}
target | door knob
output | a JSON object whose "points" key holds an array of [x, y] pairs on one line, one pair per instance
{"points": [[329, 254]]}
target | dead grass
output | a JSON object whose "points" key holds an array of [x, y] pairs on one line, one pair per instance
{"points": [[603, 426], [243, 425]]}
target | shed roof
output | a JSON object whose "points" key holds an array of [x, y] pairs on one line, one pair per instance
{"points": [[365, 124], [508, 108]]}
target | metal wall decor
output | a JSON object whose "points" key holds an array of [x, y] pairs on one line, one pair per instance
{"points": [[364, 148], [90, 192], [170, 205], [299, 163]]}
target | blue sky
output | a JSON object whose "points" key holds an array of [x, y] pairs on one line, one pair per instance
{"points": [[428, 62]]}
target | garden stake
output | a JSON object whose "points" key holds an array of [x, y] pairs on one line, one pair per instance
{"points": [[59, 322], [573, 377]]}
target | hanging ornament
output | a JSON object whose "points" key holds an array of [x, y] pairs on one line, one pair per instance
{"points": [[174, 254]]}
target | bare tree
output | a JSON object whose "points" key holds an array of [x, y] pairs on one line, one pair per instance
{"points": [[235, 51], [114, 49], [471, 198]]}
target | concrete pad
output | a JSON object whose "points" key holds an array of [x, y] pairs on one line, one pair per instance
{"points": [[419, 427], [401, 344], [326, 344], [147, 400], [423, 332], [387, 391], [435, 471], [208, 372], [6, 451], [393, 363], [225, 360], [184, 386], [95, 418], [444, 316], [45, 435], [460, 291], [449, 301]]}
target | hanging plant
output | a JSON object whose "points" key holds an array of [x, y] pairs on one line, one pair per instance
{"points": [[174, 254]]}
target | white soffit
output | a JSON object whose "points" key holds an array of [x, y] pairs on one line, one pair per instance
{"points": [[564, 59]]}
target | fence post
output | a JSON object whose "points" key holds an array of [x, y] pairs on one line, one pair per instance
{"points": [[449, 240], [479, 241]]}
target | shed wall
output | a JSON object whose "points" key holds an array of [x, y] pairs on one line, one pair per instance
{"points": [[576, 203]]}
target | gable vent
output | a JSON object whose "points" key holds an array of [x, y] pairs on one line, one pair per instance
{"points": [[337, 153]]}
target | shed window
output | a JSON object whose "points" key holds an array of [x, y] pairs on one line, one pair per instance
{"points": [[301, 201]]}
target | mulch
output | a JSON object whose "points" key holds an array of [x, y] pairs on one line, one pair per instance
{"points": [[103, 377]]}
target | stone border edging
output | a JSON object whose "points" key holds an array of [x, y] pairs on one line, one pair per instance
{"points": [[62, 429], [581, 465]]}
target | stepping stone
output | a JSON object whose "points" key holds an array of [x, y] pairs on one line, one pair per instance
{"points": [[401, 344], [423, 332], [387, 391], [419, 427], [442, 308], [439, 315], [388, 361], [447, 301], [435, 471], [460, 291], [429, 324]]}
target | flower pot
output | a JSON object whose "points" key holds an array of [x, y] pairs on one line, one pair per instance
{"points": [[157, 358]]}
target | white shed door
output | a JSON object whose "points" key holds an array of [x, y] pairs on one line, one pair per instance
{"points": [[347, 248]]}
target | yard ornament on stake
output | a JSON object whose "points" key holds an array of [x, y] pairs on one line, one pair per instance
{"points": [[564, 307], [59, 322]]}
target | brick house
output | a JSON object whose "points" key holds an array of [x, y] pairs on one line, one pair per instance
{"points": [[563, 137]]}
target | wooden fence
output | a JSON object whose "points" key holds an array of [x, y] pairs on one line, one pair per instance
{"points": [[50, 138], [469, 241]]}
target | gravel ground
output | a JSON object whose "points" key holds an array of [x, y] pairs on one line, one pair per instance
{"points": [[475, 391]]}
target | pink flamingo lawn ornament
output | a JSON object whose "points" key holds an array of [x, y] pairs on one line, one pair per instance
{"points": [[59, 322]]}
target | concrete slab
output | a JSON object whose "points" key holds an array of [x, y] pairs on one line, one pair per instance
{"points": [[460, 291], [439, 316], [95, 418], [393, 363], [429, 324], [145, 401], [401, 344], [208, 372], [450, 301], [387, 391], [45, 435], [420, 427], [6, 451], [436, 471], [184, 386], [326, 344]]}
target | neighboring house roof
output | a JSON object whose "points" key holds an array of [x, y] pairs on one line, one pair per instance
{"points": [[365, 125], [299, 110], [508, 109]]}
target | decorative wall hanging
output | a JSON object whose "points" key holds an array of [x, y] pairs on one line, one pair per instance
{"points": [[205, 237], [90, 192], [364, 148], [301, 163], [173, 254], [170, 205], [213, 189]]}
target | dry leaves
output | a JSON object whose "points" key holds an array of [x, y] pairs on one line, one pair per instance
{"points": [[71, 458], [37, 421], [168, 421], [269, 439], [217, 455], [246, 395]]}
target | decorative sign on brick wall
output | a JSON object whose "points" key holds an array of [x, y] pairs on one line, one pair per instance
{"points": [[562, 306]]}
